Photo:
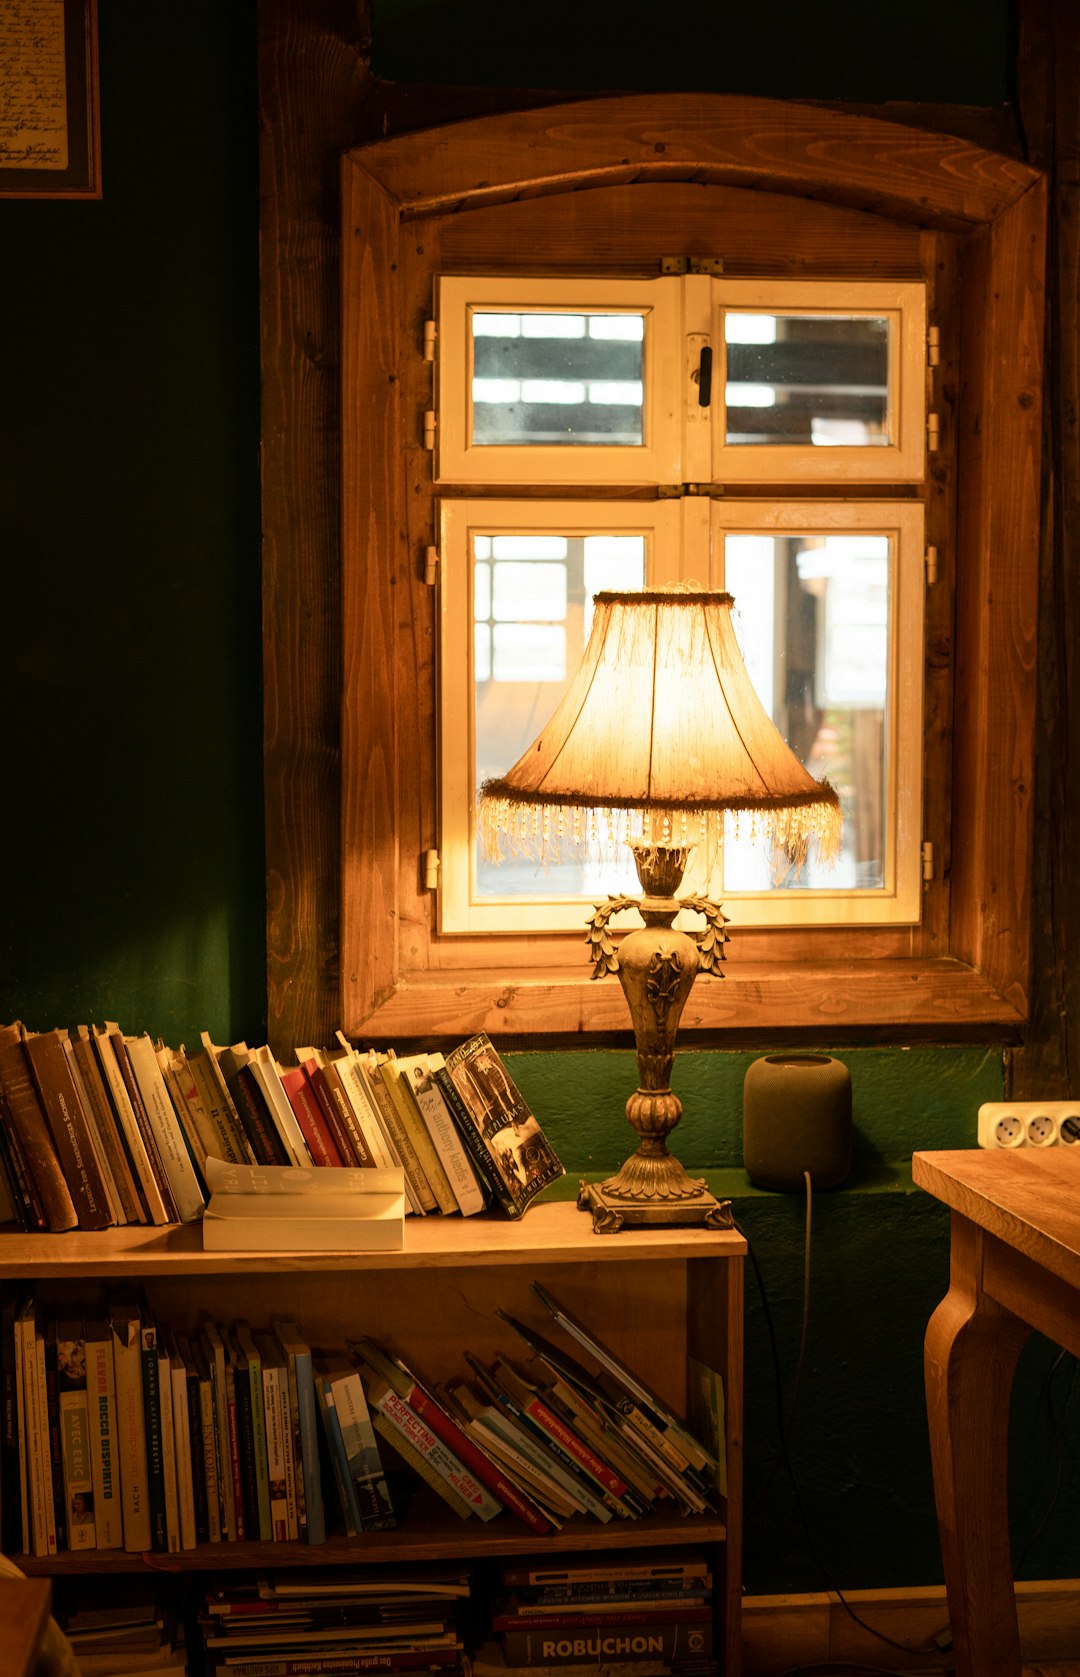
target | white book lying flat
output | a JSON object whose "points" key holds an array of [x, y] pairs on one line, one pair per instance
{"points": [[305, 1223], [348, 1182]]}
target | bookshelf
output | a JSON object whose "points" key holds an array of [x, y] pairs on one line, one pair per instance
{"points": [[654, 1296]]}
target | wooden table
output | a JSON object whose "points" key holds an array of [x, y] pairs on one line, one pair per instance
{"points": [[1015, 1265]]}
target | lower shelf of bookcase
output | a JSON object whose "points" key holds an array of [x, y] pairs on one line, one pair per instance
{"points": [[426, 1534]]}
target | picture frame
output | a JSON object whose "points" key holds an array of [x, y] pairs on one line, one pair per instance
{"points": [[50, 129]]}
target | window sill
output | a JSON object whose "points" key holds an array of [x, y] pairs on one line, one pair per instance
{"points": [[904, 1000]]}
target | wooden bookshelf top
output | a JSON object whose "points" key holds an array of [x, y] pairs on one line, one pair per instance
{"points": [[550, 1233]]}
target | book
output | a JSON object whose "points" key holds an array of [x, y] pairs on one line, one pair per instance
{"points": [[98, 1105], [195, 1440], [125, 1327], [168, 1447], [29, 1437], [533, 1401], [504, 1137], [115, 1077], [69, 1127], [447, 1469], [230, 1141], [155, 1443], [29, 1206], [334, 1223], [348, 1063], [470, 1193], [420, 1195], [361, 1446], [249, 1368], [78, 1477], [572, 1644], [36, 1348], [264, 1069], [316, 1131], [304, 1406], [344, 1665], [172, 1148], [673, 1430], [148, 1139], [646, 1566], [397, 1074], [278, 1437], [12, 1489], [541, 1448], [332, 1096], [497, 1431], [187, 1104], [335, 1449], [221, 1379], [207, 1452], [250, 1106], [23, 1110], [54, 1442], [707, 1416], [452, 1433], [188, 1531]]}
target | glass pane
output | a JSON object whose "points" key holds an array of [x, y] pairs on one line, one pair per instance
{"points": [[807, 379], [535, 618], [812, 620], [557, 378]]}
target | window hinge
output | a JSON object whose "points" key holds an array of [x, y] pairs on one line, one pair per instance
{"points": [[430, 861], [669, 491], [933, 431], [691, 264], [677, 491], [429, 428], [933, 346], [431, 331], [931, 566], [431, 565], [928, 859]]}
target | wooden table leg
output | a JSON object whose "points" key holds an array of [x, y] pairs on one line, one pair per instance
{"points": [[971, 1349]]}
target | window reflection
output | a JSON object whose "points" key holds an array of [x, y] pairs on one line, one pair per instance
{"points": [[557, 378], [807, 379]]}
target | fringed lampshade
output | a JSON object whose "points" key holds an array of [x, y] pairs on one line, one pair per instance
{"points": [[658, 737]]}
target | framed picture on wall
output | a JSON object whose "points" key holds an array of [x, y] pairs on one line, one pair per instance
{"points": [[50, 136]]}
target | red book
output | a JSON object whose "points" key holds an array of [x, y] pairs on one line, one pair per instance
{"points": [[446, 1428], [332, 1118], [313, 1126]]}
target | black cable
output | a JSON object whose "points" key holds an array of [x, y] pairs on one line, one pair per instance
{"points": [[785, 1456]]}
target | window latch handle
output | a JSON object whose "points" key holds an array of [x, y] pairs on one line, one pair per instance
{"points": [[704, 376]]}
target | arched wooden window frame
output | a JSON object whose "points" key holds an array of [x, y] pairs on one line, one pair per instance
{"points": [[964, 973]]}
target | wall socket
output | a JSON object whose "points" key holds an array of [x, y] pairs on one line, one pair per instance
{"points": [[1029, 1124]]}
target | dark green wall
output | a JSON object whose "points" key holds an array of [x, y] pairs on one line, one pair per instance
{"points": [[130, 671]]}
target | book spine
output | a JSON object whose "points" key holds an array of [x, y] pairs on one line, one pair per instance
{"points": [[309, 1448], [345, 1665], [349, 1070], [44, 1523], [168, 1451], [575, 1447], [294, 1482], [319, 1085], [442, 1458], [266, 1144], [234, 1458], [195, 1447], [316, 1132], [362, 1453], [275, 1455], [339, 1094], [220, 1377], [104, 1459], [28, 1120], [11, 1518], [208, 1448], [68, 1126], [172, 1148], [456, 1162], [115, 1077], [29, 1207], [419, 1188], [401, 1095], [148, 1145], [682, 1613], [339, 1462], [226, 1140], [475, 1460], [421, 1466], [131, 1431], [607, 1645], [185, 1482], [56, 1432], [264, 1526], [474, 1143], [77, 1471], [102, 1117], [249, 1478], [155, 1458]]}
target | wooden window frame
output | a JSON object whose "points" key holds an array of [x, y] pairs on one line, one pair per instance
{"points": [[963, 974]]}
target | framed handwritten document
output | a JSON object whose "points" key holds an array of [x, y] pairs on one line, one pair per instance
{"points": [[50, 136]]}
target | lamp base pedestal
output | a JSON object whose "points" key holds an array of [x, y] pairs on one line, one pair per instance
{"points": [[613, 1210]]}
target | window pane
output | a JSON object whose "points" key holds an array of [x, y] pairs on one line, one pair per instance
{"points": [[812, 620], [539, 613], [557, 378], [799, 379]]}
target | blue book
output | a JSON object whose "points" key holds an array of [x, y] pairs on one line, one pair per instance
{"points": [[339, 1461], [304, 1409]]}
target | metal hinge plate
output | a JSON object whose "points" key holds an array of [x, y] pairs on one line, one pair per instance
{"points": [[691, 264]]}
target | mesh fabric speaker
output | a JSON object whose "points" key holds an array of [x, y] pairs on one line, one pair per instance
{"points": [[796, 1118]]}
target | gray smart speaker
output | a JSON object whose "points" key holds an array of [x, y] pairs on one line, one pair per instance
{"points": [[796, 1118]]}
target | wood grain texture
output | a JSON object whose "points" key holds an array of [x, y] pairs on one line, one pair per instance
{"points": [[312, 74], [722, 139], [1027, 1198]]}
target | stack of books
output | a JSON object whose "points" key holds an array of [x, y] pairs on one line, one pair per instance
{"points": [[99, 1127], [284, 1208], [292, 1625], [123, 1627], [642, 1615]]}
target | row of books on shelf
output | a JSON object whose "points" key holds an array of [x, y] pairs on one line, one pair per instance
{"points": [[119, 1432], [99, 1127], [643, 1615]]}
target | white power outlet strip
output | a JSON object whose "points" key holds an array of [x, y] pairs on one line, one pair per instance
{"points": [[1029, 1124]]}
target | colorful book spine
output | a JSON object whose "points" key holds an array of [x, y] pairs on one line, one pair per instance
{"points": [[69, 1127], [335, 1449], [298, 1356], [362, 1452], [415, 1430], [251, 1368], [155, 1446], [78, 1476]]}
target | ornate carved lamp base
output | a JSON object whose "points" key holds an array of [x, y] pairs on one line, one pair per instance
{"points": [[656, 966]]}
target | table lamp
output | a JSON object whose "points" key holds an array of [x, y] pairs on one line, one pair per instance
{"points": [[658, 736]]}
